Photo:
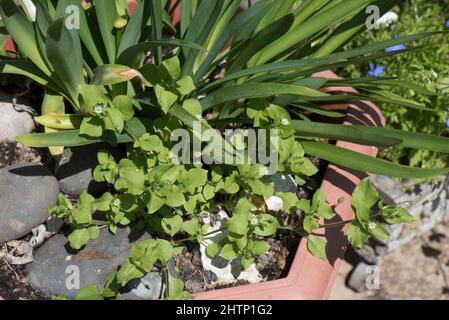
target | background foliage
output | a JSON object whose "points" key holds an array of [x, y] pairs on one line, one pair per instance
{"points": [[427, 66]]}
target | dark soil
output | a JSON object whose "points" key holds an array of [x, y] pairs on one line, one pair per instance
{"points": [[13, 283], [14, 152], [273, 265]]}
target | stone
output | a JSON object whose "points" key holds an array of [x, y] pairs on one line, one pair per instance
{"points": [[75, 169], [358, 279], [275, 204], [284, 183], [224, 272], [15, 119], [428, 202], [26, 193], [148, 288], [58, 269]]}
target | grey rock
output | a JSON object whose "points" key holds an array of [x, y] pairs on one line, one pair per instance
{"points": [[15, 119], [428, 202], [57, 267], [148, 288], [54, 225], [76, 167], [26, 193], [358, 279], [284, 183]]}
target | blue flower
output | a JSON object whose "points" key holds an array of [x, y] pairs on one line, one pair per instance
{"points": [[447, 122], [375, 71], [395, 48], [447, 23], [382, 177]]}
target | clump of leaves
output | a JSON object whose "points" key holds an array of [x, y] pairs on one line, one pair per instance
{"points": [[124, 89]]}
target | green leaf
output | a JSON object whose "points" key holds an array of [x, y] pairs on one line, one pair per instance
{"points": [[128, 271], [260, 247], [321, 20], [212, 250], [156, 27], [238, 224], [357, 236], [378, 231], [155, 203], [132, 179], [110, 74], [78, 238], [366, 163], [64, 53], [407, 139], [172, 224], [94, 232], [256, 90], [103, 203], [289, 199], [92, 127], [165, 98], [116, 118], [247, 261], [107, 15], [317, 246], [185, 85], [90, 292], [310, 223], [192, 227], [365, 194], [81, 215], [267, 225], [229, 252], [396, 215], [350, 133], [23, 33], [197, 177], [131, 56]]}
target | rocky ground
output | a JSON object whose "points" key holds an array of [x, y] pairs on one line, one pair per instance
{"points": [[418, 270]]}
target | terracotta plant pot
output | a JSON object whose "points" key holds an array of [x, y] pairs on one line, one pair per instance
{"points": [[176, 16], [310, 277]]}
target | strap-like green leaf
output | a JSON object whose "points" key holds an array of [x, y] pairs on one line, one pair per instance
{"points": [[358, 133], [364, 163], [106, 16], [22, 31], [131, 56], [257, 90], [69, 138], [156, 27], [64, 53]]}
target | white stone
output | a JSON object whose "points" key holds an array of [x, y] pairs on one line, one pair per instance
{"points": [[274, 203], [226, 272], [15, 120]]}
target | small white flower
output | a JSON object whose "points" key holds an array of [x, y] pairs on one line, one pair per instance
{"points": [[116, 203], [253, 219], [387, 19], [285, 122], [98, 109], [372, 225]]}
